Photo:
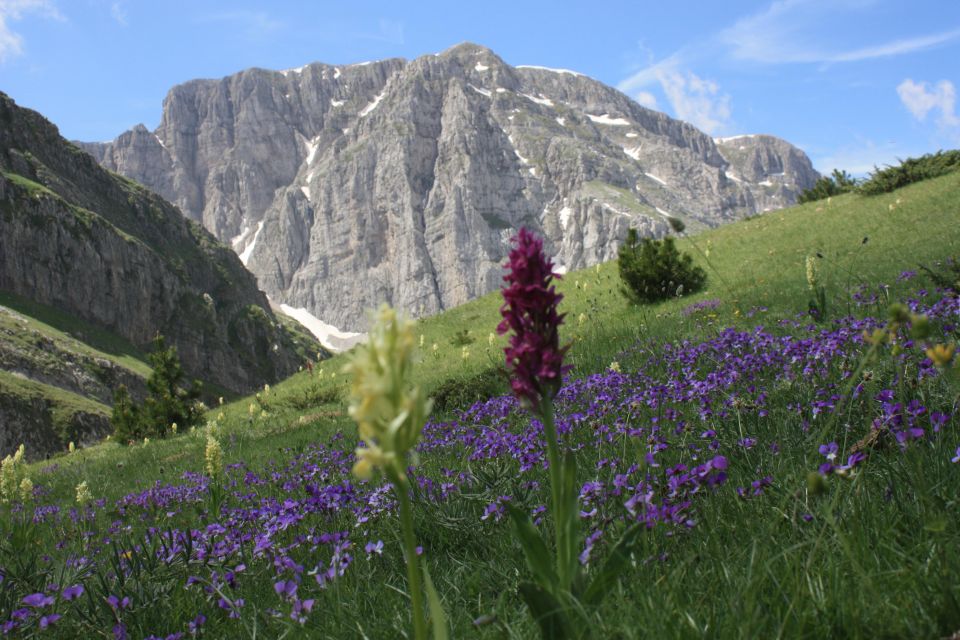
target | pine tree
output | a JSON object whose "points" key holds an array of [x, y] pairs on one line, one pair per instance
{"points": [[167, 401]]}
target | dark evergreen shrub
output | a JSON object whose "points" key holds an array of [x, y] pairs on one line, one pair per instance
{"points": [[167, 402], [911, 170], [832, 185], [653, 270], [461, 392]]}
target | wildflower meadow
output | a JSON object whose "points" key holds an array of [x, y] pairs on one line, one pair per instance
{"points": [[738, 463]]}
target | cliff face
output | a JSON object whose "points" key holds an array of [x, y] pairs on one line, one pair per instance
{"points": [[343, 187], [91, 243]]}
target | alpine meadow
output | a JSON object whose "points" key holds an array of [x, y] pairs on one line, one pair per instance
{"points": [[452, 347]]}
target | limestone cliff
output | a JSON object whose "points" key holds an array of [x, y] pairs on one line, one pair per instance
{"points": [[346, 186]]}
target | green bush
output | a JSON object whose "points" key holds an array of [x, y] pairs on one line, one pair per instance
{"points": [[461, 392], [833, 185], [653, 270], [909, 171], [167, 402]]}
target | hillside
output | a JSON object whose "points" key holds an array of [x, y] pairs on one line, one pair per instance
{"points": [[343, 186], [725, 421], [102, 252]]}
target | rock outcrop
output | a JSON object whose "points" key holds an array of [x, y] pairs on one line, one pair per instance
{"points": [[346, 186], [91, 243]]}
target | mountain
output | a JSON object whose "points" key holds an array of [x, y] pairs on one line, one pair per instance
{"points": [[345, 186], [109, 255]]}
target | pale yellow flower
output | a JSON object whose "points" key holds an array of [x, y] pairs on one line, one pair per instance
{"points": [[615, 366], [812, 275], [26, 489], [491, 338], [213, 456], [581, 320], [71, 447], [8, 478], [173, 427], [389, 411], [464, 353], [941, 354], [83, 493]]}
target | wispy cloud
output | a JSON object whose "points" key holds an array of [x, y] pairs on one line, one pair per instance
{"points": [[389, 31], [862, 157], [254, 25], [920, 99], [696, 100], [11, 42], [119, 13], [787, 32]]}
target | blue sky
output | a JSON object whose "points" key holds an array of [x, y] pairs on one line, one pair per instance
{"points": [[855, 83]]}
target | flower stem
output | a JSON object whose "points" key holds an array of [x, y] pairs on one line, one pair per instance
{"points": [[410, 552], [556, 490]]}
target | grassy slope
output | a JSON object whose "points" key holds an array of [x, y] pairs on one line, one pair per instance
{"points": [[760, 262], [727, 578], [73, 334]]}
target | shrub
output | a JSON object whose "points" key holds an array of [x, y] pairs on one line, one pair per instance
{"points": [[461, 392], [833, 185], [654, 270], [167, 401], [462, 338], [909, 171]]}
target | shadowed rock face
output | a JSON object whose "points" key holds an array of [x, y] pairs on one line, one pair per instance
{"points": [[94, 244], [403, 181]]}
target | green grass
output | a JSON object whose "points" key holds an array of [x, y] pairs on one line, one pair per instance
{"points": [[63, 404], [878, 558]]}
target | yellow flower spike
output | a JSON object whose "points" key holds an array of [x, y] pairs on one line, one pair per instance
{"points": [[941, 354], [83, 493], [389, 412], [213, 456], [26, 489]]}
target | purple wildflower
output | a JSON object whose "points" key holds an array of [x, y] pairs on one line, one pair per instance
{"points": [[196, 623], [70, 593], [529, 310], [38, 600], [46, 621], [829, 451], [956, 458]]}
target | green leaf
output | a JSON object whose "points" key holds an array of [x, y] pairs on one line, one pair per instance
{"points": [[437, 615], [546, 611], [534, 550], [617, 561], [568, 519]]}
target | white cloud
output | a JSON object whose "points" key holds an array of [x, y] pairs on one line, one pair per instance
{"points": [[786, 32], [647, 99], [921, 99], [119, 13], [11, 43], [694, 99]]}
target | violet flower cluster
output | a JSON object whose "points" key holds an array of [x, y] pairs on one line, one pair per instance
{"points": [[534, 356]]}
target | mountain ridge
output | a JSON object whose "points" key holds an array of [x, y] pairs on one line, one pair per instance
{"points": [[116, 255], [344, 186]]}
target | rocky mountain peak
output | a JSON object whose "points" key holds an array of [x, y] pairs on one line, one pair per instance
{"points": [[343, 186]]}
